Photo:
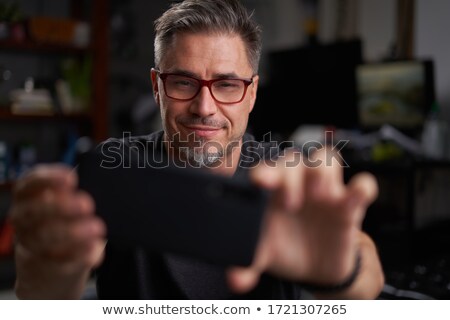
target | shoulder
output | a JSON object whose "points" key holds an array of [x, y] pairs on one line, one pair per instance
{"points": [[128, 141], [143, 149]]}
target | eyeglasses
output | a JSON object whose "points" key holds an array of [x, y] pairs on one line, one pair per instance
{"points": [[185, 88]]}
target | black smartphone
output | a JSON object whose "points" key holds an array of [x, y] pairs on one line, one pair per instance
{"points": [[180, 210]]}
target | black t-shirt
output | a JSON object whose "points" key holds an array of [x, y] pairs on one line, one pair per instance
{"points": [[139, 274]]}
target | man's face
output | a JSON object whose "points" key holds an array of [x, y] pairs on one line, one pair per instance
{"points": [[205, 126]]}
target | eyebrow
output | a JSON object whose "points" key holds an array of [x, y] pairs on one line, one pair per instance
{"points": [[229, 75]]}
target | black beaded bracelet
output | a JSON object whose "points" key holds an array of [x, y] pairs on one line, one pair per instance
{"points": [[333, 288]]}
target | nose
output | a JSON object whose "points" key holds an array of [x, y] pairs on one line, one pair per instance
{"points": [[203, 104]]}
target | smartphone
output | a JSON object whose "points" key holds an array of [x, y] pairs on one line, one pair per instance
{"points": [[180, 210]]}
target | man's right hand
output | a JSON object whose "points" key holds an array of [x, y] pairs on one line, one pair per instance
{"points": [[59, 239]]}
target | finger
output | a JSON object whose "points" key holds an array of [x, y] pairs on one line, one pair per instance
{"points": [[266, 176], [96, 254], [324, 175], [64, 241], [47, 225], [29, 215], [362, 190], [242, 280], [84, 256], [51, 206], [42, 177], [293, 171], [80, 243], [84, 204], [91, 256], [285, 176]]}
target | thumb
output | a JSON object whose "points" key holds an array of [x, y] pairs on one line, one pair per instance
{"points": [[241, 280], [266, 176]]}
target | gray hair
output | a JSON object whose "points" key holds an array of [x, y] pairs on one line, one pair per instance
{"points": [[210, 16]]}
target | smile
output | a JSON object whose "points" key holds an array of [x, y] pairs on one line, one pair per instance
{"points": [[204, 131]]}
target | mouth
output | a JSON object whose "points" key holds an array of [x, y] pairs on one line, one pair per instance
{"points": [[204, 131]]}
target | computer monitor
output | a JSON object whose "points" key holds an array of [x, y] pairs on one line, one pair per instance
{"points": [[398, 93], [309, 85]]}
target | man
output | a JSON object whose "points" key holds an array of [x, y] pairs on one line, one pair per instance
{"points": [[205, 83]]}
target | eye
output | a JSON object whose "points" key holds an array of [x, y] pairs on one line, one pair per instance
{"points": [[227, 84], [180, 82], [184, 83]]}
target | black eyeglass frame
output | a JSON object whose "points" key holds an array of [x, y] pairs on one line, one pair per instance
{"points": [[203, 83]]}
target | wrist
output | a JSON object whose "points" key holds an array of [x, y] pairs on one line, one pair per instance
{"points": [[335, 287]]}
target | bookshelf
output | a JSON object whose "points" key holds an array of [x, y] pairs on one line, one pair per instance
{"points": [[91, 122]]}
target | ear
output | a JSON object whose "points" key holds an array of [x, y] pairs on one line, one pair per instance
{"points": [[155, 87], [253, 90]]}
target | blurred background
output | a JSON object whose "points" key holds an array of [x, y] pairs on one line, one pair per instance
{"points": [[374, 73]]}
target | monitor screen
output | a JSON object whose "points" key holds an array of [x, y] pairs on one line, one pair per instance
{"points": [[398, 93], [309, 85]]}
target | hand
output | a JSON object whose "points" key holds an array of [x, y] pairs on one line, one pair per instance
{"points": [[312, 226], [59, 240]]}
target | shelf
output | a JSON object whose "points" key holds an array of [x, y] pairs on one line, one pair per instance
{"points": [[7, 115], [94, 121], [32, 47]]}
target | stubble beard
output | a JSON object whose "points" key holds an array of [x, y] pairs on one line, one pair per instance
{"points": [[198, 151], [203, 153], [202, 156]]}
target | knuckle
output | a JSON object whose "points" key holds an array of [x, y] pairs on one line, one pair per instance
{"points": [[43, 177], [85, 201]]}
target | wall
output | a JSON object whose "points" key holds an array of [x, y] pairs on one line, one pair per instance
{"points": [[376, 25], [432, 40], [281, 21], [131, 58]]}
